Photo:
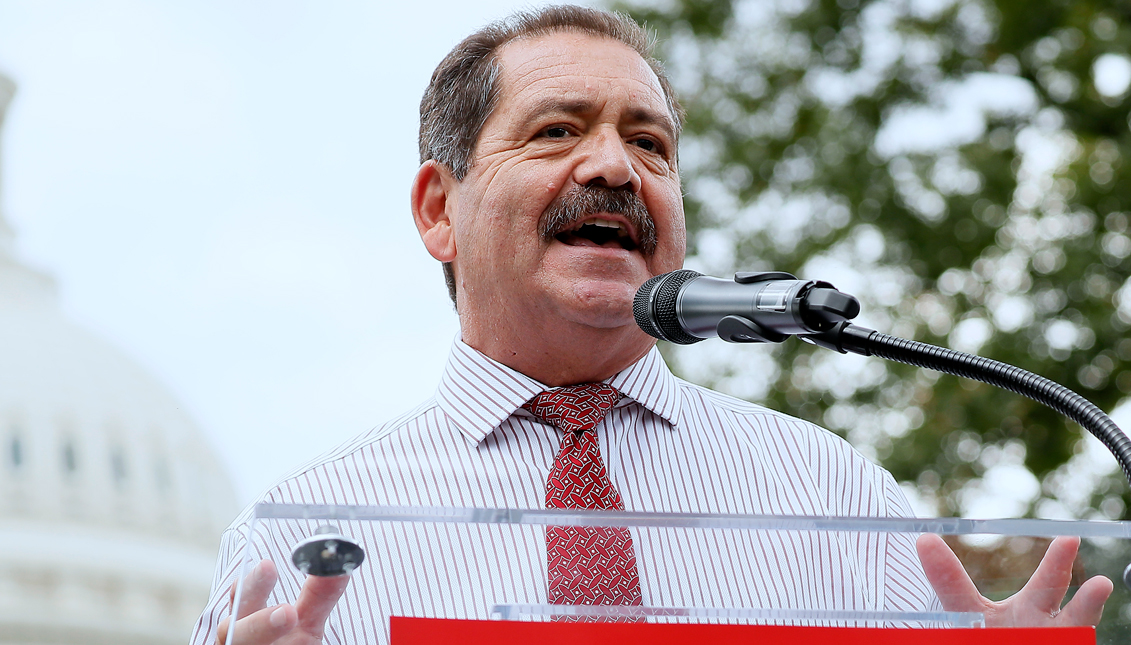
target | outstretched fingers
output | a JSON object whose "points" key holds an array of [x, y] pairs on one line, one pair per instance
{"points": [[257, 588], [948, 577], [1087, 606], [317, 600], [1036, 605], [1045, 590], [255, 622], [261, 628]]}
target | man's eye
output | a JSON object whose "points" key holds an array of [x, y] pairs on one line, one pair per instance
{"points": [[647, 144], [556, 132]]}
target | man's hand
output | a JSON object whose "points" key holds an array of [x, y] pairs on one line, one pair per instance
{"points": [[1038, 602], [302, 624]]}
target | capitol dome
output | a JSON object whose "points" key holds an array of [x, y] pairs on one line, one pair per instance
{"points": [[111, 502]]}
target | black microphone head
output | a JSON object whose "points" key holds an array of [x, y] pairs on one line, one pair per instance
{"points": [[654, 307]]}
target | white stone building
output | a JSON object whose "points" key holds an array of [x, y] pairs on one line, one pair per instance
{"points": [[111, 502]]}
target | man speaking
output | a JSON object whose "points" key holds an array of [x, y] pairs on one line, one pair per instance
{"points": [[550, 190]]}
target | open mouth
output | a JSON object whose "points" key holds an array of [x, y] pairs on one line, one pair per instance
{"points": [[598, 232]]}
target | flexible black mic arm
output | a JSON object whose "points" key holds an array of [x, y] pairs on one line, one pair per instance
{"points": [[670, 307], [847, 338]]}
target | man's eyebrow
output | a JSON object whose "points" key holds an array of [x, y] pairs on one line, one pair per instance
{"points": [[645, 116], [650, 117]]}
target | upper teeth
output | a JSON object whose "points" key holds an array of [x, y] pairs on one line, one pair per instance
{"points": [[606, 223]]}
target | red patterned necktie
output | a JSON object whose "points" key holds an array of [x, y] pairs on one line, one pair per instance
{"points": [[587, 565]]}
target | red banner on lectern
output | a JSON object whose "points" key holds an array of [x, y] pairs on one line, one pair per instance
{"points": [[425, 631]]}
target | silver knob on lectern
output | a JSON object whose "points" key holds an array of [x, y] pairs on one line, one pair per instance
{"points": [[327, 553]]}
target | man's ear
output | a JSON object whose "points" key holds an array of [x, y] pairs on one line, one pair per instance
{"points": [[433, 202]]}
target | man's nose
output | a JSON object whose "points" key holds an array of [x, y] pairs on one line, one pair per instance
{"points": [[606, 161]]}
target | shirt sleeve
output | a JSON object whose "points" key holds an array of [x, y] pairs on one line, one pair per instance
{"points": [[905, 584]]}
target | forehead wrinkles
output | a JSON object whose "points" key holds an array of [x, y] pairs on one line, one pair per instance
{"points": [[558, 61], [555, 70]]}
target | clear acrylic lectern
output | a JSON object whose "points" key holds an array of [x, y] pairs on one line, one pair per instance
{"points": [[478, 563]]}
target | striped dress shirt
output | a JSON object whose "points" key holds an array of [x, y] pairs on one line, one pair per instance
{"points": [[669, 446]]}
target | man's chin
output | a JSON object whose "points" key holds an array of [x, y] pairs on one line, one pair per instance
{"points": [[601, 305]]}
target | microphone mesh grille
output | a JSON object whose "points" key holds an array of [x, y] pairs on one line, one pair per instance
{"points": [[654, 307], [642, 307]]}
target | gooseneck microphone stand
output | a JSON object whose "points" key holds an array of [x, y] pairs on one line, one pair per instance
{"points": [[685, 307], [847, 338]]}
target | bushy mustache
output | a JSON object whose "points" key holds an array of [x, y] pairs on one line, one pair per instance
{"points": [[580, 202]]}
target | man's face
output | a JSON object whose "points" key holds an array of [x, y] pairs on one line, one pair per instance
{"points": [[574, 167]]}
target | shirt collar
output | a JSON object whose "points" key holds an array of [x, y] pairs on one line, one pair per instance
{"points": [[479, 393], [650, 383]]}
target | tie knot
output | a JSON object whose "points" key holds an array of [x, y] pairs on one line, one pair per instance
{"points": [[575, 408]]}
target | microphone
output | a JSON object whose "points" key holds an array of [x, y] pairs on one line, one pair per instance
{"points": [[685, 307]]}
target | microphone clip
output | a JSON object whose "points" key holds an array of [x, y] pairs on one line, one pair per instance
{"points": [[822, 307], [736, 329]]}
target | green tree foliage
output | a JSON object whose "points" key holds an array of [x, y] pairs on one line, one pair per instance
{"points": [[958, 166]]}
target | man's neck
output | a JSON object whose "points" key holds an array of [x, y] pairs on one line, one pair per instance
{"points": [[588, 356]]}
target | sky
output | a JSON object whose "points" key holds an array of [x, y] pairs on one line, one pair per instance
{"points": [[221, 188]]}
